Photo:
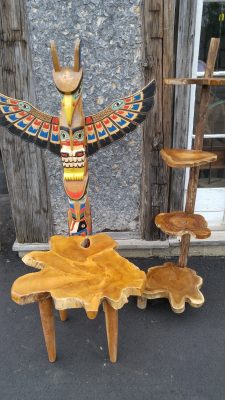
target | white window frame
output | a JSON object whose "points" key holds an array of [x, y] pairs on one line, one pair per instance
{"points": [[203, 195]]}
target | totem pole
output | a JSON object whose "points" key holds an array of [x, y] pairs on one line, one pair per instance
{"points": [[72, 135]]}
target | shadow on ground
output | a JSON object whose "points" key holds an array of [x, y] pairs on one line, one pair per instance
{"points": [[162, 355]]}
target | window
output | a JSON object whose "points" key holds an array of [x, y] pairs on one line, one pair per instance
{"points": [[213, 25]]}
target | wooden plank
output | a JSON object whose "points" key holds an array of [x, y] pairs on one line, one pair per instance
{"points": [[155, 21], [184, 59], [195, 81], [24, 163], [158, 50]]}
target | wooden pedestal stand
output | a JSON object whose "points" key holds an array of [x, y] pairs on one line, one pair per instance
{"points": [[177, 282]]}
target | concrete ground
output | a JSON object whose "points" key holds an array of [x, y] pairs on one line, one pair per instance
{"points": [[162, 356]]}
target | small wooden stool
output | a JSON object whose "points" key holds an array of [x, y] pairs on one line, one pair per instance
{"points": [[79, 272]]}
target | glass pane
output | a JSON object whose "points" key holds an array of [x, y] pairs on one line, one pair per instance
{"points": [[215, 119], [213, 25], [213, 175]]}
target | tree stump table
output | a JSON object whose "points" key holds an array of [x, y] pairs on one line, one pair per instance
{"points": [[77, 273]]}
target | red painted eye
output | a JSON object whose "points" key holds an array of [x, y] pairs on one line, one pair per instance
{"points": [[64, 154]]}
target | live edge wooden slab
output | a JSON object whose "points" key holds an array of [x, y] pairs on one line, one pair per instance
{"points": [[79, 272], [178, 285], [179, 223], [180, 158]]}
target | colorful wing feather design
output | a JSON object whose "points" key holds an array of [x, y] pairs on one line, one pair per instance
{"points": [[24, 120], [121, 117]]}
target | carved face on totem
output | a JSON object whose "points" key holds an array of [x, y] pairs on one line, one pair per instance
{"points": [[72, 134]]}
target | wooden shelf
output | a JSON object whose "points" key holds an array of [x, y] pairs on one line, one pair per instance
{"points": [[195, 81], [178, 285], [179, 223], [180, 158]]}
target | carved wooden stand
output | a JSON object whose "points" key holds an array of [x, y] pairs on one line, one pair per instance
{"points": [[182, 285]]}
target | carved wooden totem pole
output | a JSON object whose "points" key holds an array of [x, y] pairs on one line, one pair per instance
{"points": [[72, 135]]}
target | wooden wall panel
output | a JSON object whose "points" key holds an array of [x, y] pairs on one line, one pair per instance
{"points": [[24, 163], [158, 52]]}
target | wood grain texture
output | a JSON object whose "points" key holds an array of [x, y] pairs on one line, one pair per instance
{"points": [[158, 56], [184, 60], [196, 81], [178, 285], [180, 223], [180, 158], [111, 322], [24, 163], [48, 326], [77, 276]]}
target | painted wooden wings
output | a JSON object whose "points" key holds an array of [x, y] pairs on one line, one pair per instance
{"points": [[24, 120], [103, 128], [121, 117]]}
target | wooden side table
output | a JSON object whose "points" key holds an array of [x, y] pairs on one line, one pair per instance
{"points": [[79, 272]]}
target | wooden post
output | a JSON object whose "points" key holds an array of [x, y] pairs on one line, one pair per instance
{"points": [[199, 135], [158, 61], [24, 163], [111, 321], [48, 325]]}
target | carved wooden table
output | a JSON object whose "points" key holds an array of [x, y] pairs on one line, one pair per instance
{"points": [[78, 273]]}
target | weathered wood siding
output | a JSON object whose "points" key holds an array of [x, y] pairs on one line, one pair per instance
{"points": [[184, 61], [24, 163], [158, 54]]}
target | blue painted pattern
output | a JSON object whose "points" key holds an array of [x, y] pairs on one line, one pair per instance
{"points": [[3, 99], [91, 137], [121, 122], [43, 134], [31, 130], [12, 117], [6, 109], [21, 124], [55, 138], [102, 133], [111, 128], [137, 97]]}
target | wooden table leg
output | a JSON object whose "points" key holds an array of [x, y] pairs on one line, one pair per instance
{"points": [[111, 321], [141, 302], [63, 315], [48, 325]]}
